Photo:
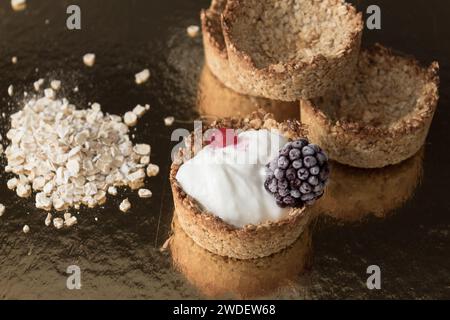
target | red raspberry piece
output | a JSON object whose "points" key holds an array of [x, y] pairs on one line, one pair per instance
{"points": [[223, 137]]}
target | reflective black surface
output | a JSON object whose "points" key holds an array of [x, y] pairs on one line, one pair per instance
{"points": [[397, 218]]}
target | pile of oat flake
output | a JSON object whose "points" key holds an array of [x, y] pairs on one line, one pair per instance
{"points": [[71, 157]]}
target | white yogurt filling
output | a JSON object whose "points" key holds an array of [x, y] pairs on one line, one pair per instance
{"points": [[229, 182]]}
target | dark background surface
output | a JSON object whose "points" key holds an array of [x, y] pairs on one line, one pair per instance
{"points": [[120, 255]]}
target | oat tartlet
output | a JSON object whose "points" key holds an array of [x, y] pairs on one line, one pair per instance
{"points": [[219, 237], [215, 100], [221, 277], [291, 50], [379, 119], [216, 55]]}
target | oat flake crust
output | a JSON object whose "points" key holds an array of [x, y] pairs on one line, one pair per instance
{"points": [[290, 49], [382, 117], [216, 55], [219, 237]]}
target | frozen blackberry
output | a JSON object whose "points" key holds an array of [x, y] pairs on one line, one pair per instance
{"points": [[298, 176]]}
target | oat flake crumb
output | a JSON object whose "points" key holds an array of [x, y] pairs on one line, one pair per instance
{"points": [[12, 183], [48, 220], [112, 191], [152, 170], [70, 221], [89, 59], [55, 84], [139, 110], [49, 93], [144, 193], [38, 84], [26, 229], [193, 31], [58, 223], [2, 209], [142, 76], [125, 205], [130, 119], [18, 5], [11, 90], [169, 121]]}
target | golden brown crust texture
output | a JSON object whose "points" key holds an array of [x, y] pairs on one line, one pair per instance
{"points": [[298, 49], [379, 119]]}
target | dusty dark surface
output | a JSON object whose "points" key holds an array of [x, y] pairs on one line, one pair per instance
{"points": [[119, 255]]}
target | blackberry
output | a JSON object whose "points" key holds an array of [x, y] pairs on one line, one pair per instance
{"points": [[298, 176]]}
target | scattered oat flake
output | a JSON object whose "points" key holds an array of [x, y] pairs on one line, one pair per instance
{"points": [[55, 84], [142, 76], [144, 193], [23, 190], [26, 229], [89, 59], [136, 179], [38, 84], [18, 5], [125, 205], [142, 149], [2, 209], [152, 170], [58, 223], [130, 119], [48, 220], [139, 110], [145, 160], [193, 31], [71, 221], [14, 60], [49, 93], [11, 90], [112, 191], [169, 121], [12, 183]]}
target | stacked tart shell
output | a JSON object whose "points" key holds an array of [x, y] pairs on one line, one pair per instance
{"points": [[277, 63]]}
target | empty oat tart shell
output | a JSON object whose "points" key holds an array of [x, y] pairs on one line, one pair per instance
{"points": [[379, 119], [219, 237], [216, 55], [291, 50]]}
